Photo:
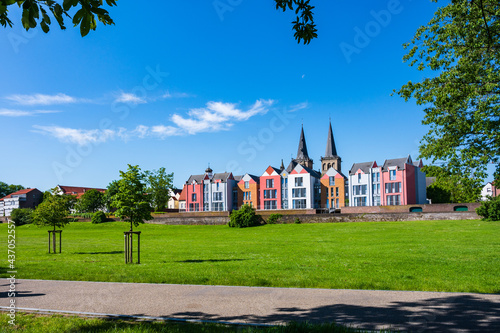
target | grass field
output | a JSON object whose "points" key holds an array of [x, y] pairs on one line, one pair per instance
{"points": [[29, 323], [454, 256]]}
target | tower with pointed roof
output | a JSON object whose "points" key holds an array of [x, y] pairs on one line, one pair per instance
{"points": [[302, 155], [331, 159]]}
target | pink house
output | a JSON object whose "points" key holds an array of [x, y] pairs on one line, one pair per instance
{"points": [[270, 189], [403, 183]]}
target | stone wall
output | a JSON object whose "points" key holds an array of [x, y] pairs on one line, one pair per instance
{"points": [[434, 208], [3, 219]]}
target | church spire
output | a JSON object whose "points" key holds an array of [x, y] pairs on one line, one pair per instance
{"points": [[302, 155], [331, 150], [302, 151]]}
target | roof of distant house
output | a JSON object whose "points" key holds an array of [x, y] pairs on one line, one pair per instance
{"points": [[183, 195], [77, 190], [20, 192]]}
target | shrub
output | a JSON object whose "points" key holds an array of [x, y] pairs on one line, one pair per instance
{"points": [[297, 221], [244, 217], [274, 218], [22, 216], [99, 217], [490, 210]]}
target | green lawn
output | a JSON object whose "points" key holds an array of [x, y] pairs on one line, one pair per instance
{"points": [[29, 323], [459, 256]]}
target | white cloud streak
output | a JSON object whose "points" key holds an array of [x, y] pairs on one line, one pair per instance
{"points": [[23, 113], [129, 98], [41, 99]]}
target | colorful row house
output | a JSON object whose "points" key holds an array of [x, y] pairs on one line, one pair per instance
{"points": [[398, 182], [211, 192], [333, 189], [248, 189]]}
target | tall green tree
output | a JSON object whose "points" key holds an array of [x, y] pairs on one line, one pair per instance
{"points": [[90, 202], [86, 13], [111, 190], [53, 212], [462, 45], [131, 201], [6, 189], [451, 188], [160, 184]]}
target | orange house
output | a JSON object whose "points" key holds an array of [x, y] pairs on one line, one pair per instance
{"points": [[248, 191], [333, 193]]}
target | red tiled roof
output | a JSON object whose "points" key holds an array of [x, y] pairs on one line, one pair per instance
{"points": [[25, 191], [78, 191]]}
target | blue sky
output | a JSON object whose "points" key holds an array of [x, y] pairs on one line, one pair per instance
{"points": [[183, 84]]}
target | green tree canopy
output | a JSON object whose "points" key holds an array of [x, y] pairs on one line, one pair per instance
{"points": [[131, 201], [6, 189], [53, 212], [451, 187], [462, 45], [90, 202], [111, 190], [84, 13], [159, 187]]}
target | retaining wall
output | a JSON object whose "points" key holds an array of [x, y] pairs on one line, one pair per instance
{"points": [[434, 208]]}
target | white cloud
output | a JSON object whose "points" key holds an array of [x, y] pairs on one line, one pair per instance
{"points": [[23, 113], [218, 116], [41, 99], [78, 136], [130, 99], [299, 107]]}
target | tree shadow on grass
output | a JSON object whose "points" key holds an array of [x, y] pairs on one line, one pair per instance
{"points": [[111, 252], [208, 260], [464, 313]]}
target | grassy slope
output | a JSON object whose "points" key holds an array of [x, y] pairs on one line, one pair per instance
{"points": [[461, 256]]}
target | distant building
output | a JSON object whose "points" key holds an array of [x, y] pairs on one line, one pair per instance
{"points": [[331, 159], [76, 190], [27, 198], [403, 182], [173, 201], [364, 184], [182, 200], [489, 190]]}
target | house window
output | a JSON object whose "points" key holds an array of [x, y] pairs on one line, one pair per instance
{"points": [[217, 196], [359, 177], [269, 183], [299, 181], [299, 204], [193, 197], [392, 174], [271, 204], [247, 184], [249, 195], [376, 201], [336, 191], [393, 200], [270, 194], [332, 180], [331, 191], [359, 189], [298, 193], [360, 201], [194, 188], [393, 187], [376, 177], [337, 203]]}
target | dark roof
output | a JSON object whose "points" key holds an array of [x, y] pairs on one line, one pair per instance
{"points": [[237, 178], [291, 166], [312, 172], [302, 151], [221, 176], [365, 167], [197, 178], [255, 178], [177, 191], [398, 162], [331, 150]]}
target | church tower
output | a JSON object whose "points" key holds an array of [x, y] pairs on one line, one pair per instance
{"points": [[331, 159], [302, 156]]}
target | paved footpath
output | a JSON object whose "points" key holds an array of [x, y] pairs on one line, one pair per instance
{"points": [[413, 311]]}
